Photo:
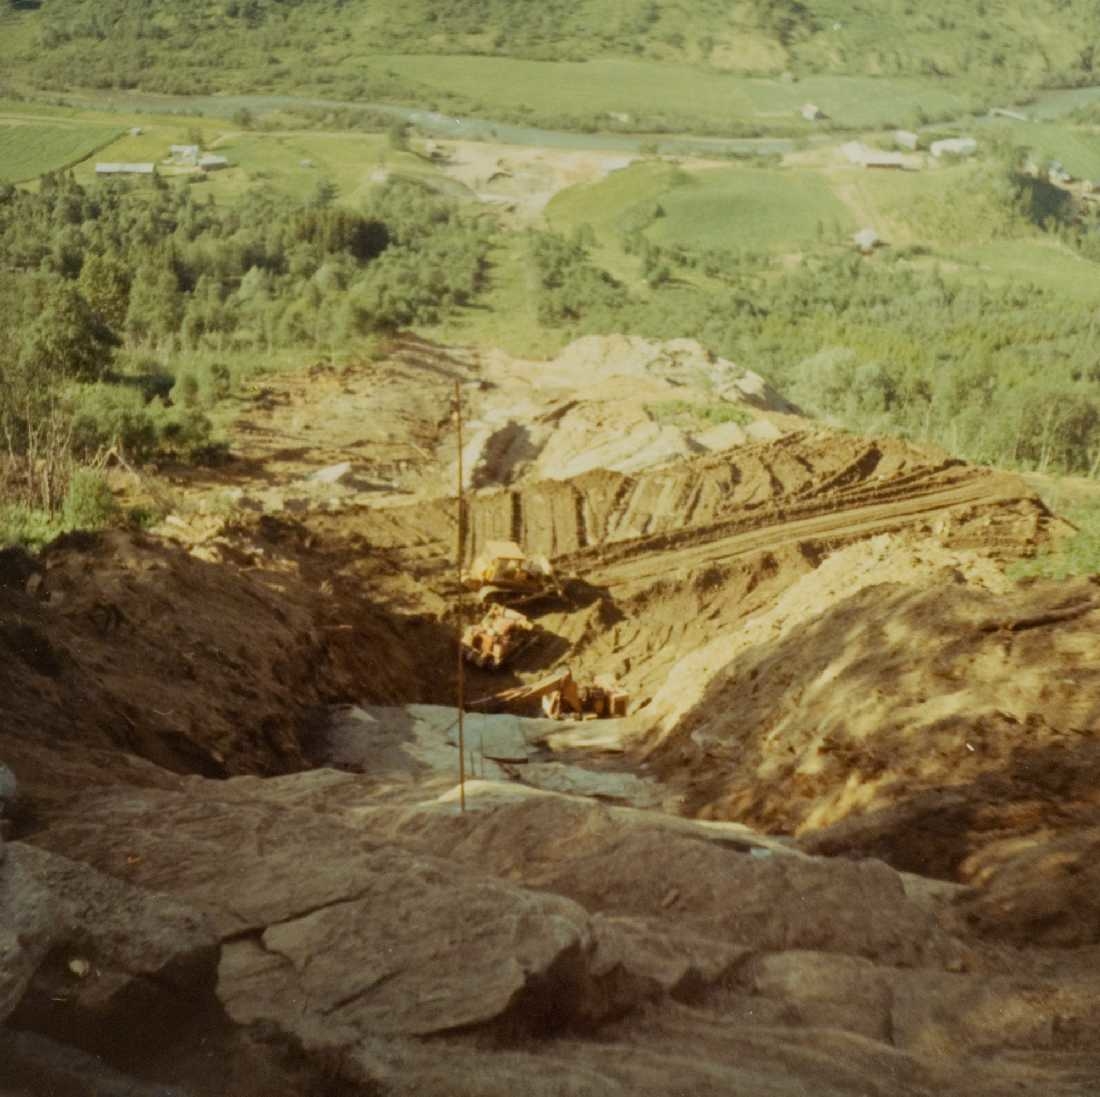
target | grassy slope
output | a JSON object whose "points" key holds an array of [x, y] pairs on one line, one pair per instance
{"points": [[739, 207], [31, 146], [749, 208], [348, 47]]}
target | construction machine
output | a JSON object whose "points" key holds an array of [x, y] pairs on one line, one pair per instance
{"points": [[505, 575], [500, 635], [561, 696]]}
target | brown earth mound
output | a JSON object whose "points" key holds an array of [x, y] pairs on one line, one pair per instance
{"points": [[120, 648], [914, 724]]}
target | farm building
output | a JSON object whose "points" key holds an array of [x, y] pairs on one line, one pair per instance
{"points": [[858, 153], [875, 158], [812, 112], [906, 139], [125, 169], [185, 154], [211, 162], [1004, 112], [854, 151], [1057, 173], [954, 146]]}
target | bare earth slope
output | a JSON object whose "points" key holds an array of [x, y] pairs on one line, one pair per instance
{"points": [[872, 869]]}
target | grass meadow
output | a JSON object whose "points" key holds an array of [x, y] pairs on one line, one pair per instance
{"points": [[29, 147]]}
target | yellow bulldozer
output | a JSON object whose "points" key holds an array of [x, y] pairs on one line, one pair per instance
{"points": [[503, 574], [500, 635], [560, 696]]}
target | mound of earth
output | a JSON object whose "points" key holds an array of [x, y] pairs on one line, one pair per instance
{"points": [[919, 724], [121, 650], [620, 403], [606, 402]]}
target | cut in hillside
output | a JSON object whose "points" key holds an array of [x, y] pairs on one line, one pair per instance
{"points": [[187, 901]]}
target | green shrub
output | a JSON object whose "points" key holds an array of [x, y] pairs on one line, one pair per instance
{"points": [[26, 526], [186, 392], [683, 413], [186, 432], [1077, 555], [88, 503], [113, 415], [216, 381]]}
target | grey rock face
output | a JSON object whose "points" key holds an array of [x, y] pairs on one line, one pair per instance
{"points": [[89, 940]]}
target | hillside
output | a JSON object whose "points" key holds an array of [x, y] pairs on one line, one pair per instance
{"points": [[331, 46], [238, 863]]}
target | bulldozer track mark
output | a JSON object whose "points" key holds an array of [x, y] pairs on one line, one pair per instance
{"points": [[833, 522], [579, 504], [517, 516]]}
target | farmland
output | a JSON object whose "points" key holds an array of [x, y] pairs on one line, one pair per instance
{"points": [[30, 147], [683, 96]]}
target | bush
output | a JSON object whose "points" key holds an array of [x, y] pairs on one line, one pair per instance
{"points": [[187, 433], [26, 526], [216, 382], [88, 503], [113, 415], [186, 392]]}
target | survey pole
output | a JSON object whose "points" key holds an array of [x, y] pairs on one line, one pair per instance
{"points": [[459, 530]]}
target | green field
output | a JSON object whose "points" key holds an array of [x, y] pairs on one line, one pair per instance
{"points": [[861, 100], [753, 208], [739, 208], [1078, 149], [1040, 262], [641, 90], [29, 148]]}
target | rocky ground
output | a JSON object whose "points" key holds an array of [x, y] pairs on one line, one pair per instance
{"points": [[845, 842]]}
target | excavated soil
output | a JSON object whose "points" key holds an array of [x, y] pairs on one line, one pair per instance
{"points": [[835, 692]]}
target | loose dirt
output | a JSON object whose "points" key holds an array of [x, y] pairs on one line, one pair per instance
{"points": [[828, 669]]}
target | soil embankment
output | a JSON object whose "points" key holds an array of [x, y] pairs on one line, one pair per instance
{"points": [[870, 867]]}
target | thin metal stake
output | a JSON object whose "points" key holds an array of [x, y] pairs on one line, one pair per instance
{"points": [[458, 567]]}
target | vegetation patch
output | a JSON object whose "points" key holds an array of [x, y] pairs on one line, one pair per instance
{"points": [[684, 413], [749, 208], [29, 149]]}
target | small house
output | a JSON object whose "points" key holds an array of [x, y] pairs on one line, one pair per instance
{"points": [[906, 139], [211, 162], [875, 158], [1057, 173], [812, 112], [1004, 112], [136, 131], [855, 152], [125, 169], [954, 146], [185, 154]]}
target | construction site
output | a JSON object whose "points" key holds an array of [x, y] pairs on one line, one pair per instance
{"points": [[591, 726]]}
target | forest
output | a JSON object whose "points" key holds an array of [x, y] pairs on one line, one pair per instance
{"points": [[132, 309]]}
